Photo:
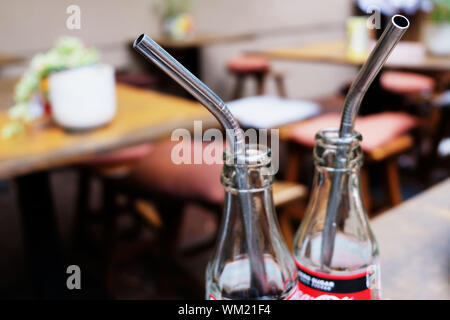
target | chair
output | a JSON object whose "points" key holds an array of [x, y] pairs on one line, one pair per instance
{"points": [[385, 137], [414, 93], [439, 130], [407, 83], [164, 182], [257, 67], [109, 168]]}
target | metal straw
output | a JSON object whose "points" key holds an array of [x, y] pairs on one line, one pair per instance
{"points": [[153, 52], [388, 40]]}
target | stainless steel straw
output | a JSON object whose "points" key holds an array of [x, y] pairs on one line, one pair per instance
{"points": [[388, 40], [153, 52]]}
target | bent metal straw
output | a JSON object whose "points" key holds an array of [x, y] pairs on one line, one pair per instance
{"points": [[388, 40], [153, 52]]}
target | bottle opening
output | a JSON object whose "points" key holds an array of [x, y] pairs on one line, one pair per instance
{"points": [[331, 148], [253, 165], [331, 137], [253, 155]]}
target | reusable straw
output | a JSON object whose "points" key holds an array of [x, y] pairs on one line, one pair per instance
{"points": [[153, 52], [388, 40]]}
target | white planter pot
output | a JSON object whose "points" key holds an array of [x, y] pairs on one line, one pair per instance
{"points": [[437, 38], [83, 98]]}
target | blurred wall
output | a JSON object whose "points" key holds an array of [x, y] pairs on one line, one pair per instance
{"points": [[29, 26]]}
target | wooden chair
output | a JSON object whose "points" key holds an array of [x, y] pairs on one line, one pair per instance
{"points": [[108, 168], [415, 93], [385, 137], [257, 67]]}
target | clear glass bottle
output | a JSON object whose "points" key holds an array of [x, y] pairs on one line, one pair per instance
{"points": [[251, 260], [352, 272]]}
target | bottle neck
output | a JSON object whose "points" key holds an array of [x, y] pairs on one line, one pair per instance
{"points": [[334, 153], [350, 196], [249, 173], [339, 159], [248, 187], [250, 235], [339, 239]]}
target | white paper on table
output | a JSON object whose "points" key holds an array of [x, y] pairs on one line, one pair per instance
{"points": [[271, 111]]}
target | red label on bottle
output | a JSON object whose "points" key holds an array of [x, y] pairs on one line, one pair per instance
{"points": [[315, 285]]}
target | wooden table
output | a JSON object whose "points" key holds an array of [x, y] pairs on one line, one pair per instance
{"points": [[203, 39], [414, 241], [407, 55], [142, 116]]}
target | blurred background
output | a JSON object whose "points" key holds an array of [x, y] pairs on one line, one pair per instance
{"points": [[82, 173]]}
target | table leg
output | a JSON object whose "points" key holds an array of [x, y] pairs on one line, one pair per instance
{"points": [[41, 239]]}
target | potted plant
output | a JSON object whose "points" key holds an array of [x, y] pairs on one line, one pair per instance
{"points": [[70, 78], [437, 29], [176, 22]]}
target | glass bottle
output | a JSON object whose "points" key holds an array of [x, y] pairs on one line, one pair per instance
{"points": [[251, 260], [352, 270]]}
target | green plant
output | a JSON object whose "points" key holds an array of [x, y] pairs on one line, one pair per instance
{"points": [[441, 11], [68, 52]]}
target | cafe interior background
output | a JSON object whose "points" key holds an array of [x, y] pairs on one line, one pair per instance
{"points": [[160, 251]]}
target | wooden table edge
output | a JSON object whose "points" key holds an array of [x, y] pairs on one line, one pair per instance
{"points": [[68, 156]]}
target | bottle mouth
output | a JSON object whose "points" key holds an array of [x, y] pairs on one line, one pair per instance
{"points": [[253, 155], [331, 148], [330, 137], [254, 162]]}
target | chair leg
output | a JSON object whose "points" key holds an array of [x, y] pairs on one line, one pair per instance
{"points": [[289, 215], [286, 227], [260, 79], [279, 82], [238, 89], [82, 204], [171, 212], [294, 165], [429, 161], [393, 182], [109, 213]]}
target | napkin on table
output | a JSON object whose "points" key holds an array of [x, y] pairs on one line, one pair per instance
{"points": [[271, 111]]}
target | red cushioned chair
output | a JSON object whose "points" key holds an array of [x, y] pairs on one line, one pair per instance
{"points": [[414, 90], [406, 83], [385, 137], [259, 68], [108, 167], [170, 185], [416, 93]]}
